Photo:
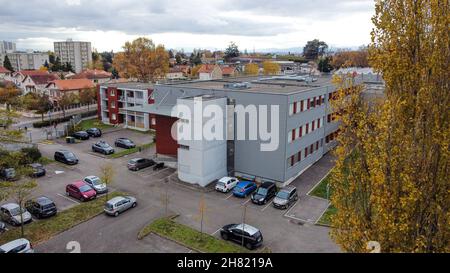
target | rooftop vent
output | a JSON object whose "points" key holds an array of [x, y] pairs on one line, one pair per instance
{"points": [[237, 85]]}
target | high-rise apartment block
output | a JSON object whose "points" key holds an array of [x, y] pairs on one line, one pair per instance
{"points": [[78, 54]]}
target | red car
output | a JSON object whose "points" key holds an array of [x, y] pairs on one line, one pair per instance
{"points": [[81, 191]]}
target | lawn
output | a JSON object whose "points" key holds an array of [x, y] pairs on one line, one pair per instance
{"points": [[45, 160], [131, 151], [326, 217], [190, 237], [93, 123], [43, 230], [321, 189]]}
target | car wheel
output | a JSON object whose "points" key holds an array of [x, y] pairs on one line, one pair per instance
{"points": [[116, 214], [225, 236], [82, 199], [134, 205], [137, 169], [248, 246], [265, 201], [67, 193]]}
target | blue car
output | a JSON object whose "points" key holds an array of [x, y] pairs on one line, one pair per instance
{"points": [[244, 188]]}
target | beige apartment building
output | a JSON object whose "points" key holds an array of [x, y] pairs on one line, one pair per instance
{"points": [[25, 60], [78, 54]]}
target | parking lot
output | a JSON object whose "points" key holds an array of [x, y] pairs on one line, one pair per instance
{"points": [[85, 146], [282, 230]]}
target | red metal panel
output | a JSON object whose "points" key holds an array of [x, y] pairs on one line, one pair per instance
{"points": [[113, 97], [165, 144]]}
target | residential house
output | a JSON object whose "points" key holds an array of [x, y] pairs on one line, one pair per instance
{"points": [[228, 71], [57, 88], [95, 75], [209, 72], [4, 73], [36, 83], [18, 78], [175, 73]]}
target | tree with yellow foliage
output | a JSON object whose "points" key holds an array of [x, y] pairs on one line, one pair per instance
{"points": [[143, 60], [271, 68], [391, 181], [251, 69]]}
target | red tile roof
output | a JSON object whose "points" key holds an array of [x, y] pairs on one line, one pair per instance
{"points": [[92, 74], [43, 79], [4, 70], [73, 84], [32, 72], [207, 68], [227, 70]]}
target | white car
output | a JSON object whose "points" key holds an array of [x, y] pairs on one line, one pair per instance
{"points": [[17, 246], [96, 184], [11, 214], [226, 184]]}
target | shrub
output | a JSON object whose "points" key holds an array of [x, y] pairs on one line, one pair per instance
{"points": [[31, 154], [47, 123]]}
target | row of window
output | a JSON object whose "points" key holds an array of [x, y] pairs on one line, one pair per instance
{"points": [[304, 130], [304, 105], [304, 153]]}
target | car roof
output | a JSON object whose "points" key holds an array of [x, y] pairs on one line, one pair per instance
{"points": [[91, 177], [136, 159], [243, 183], [43, 200], [79, 183], [63, 151], [93, 128], [116, 199], [288, 188], [13, 244], [266, 184], [10, 206], [251, 230], [225, 179]]}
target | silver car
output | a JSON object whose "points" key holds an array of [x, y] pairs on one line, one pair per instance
{"points": [[96, 184], [17, 246], [119, 204], [285, 197], [11, 213]]}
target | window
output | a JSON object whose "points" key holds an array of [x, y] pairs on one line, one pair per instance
{"points": [[306, 151], [295, 108], [292, 161], [318, 101], [312, 149], [300, 131], [293, 135], [301, 106], [112, 93], [113, 116], [323, 99], [313, 102], [308, 104], [299, 156], [291, 109], [317, 145], [329, 118], [313, 126], [113, 104], [307, 128], [318, 123]]}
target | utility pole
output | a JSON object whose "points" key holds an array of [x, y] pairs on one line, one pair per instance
{"points": [[244, 214]]}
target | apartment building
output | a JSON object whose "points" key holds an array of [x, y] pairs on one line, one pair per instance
{"points": [[78, 54], [25, 60], [116, 98], [7, 46]]}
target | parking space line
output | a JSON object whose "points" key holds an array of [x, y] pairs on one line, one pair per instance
{"points": [[63, 196], [263, 209], [248, 200], [289, 210], [299, 219], [317, 184], [321, 215], [214, 233], [228, 197]]}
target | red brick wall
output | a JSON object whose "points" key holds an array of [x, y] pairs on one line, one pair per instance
{"points": [[165, 144]]}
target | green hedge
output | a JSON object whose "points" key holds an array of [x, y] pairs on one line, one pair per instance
{"points": [[46, 123]]}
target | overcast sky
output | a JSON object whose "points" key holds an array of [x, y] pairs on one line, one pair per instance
{"points": [[259, 24]]}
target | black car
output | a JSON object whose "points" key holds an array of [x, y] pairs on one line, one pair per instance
{"points": [[243, 234], [94, 132], [2, 227], [41, 207], [102, 147], [140, 163], [37, 170], [66, 157], [83, 135], [264, 193], [124, 143], [8, 174]]}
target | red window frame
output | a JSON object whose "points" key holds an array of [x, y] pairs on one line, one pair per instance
{"points": [[307, 128], [306, 151], [308, 104], [313, 125], [299, 156], [301, 106], [293, 135], [300, 132], [295, 108]]}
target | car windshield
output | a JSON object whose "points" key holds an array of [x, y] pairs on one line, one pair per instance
{"points": [[103, 144], [108, 206], [16, 211], [85, 188], [96, 181], [283, 194], [127, 141], [48, 206], [262, 191], [69, 155]]}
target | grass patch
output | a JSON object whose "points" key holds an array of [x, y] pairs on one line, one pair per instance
{"points": [[45, 160], [43, 230], [93, 123], [321, 189], [131, 151], [326, 217], [189, 237]]}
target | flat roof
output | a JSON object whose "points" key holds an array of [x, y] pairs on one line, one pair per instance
{"points": [[162, 110], [282, 84], [130, 85]]}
